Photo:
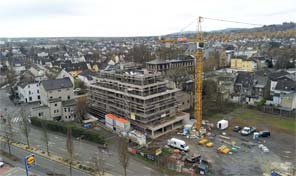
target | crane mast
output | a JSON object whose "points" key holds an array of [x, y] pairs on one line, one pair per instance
{"points": [[198, 75]]}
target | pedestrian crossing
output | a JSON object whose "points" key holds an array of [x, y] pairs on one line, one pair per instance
{"points": [[15, 119]]}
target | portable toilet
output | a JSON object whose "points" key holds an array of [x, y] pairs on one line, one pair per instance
{"points": [[222, 124]]}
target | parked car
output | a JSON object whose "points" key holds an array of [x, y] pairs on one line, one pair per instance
{"points": [[264, 133], [1, 164], [237, 129], [247, 131], [193, 158]]}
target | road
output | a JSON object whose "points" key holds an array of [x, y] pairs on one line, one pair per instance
{"points": [[43, 165], [84, 150]]}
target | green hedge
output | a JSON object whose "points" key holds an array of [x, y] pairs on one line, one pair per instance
{"points": [[88, 134]]}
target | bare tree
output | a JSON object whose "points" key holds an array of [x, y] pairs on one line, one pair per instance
{"points": [[70, 148], [10, 76], [123, 154], [98, 165], [8, 132], [44, 136], [81, 109], [179, 75], [25, 125]]}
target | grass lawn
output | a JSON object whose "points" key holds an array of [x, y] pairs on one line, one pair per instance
{"points": [[244, 116]]}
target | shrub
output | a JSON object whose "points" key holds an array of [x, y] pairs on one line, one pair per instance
{"points": [[76, 131]]}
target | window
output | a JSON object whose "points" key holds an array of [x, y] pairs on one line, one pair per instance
{"points": [[38, 97], [68, 109], [29, 92], [50, 97], [65, 117], [65, 109], [37, 91], [69, 97], [40, 114], [56, 104], [30, 98]]}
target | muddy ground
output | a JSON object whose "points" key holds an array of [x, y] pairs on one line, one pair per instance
{"points": [[249, 160]]}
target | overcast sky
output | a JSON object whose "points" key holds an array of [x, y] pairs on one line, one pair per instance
{"points": [[58, 18]]}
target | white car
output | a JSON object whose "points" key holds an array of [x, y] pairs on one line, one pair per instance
{"points": [[247, 130], [1, 164]]}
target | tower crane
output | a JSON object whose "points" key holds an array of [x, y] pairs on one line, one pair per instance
{"points": [[198, 73]]}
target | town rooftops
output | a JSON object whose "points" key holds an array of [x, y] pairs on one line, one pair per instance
{"points": [[244, 78], [278, 74], [88, 74], [286, 84], [54, 84], [74, 66], [68, 103], [179, 59]]}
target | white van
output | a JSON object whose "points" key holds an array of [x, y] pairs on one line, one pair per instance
{"points": [[179, 144]]}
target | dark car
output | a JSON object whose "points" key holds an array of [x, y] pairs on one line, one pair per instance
{"points": [[237, 128], [264, 133]]}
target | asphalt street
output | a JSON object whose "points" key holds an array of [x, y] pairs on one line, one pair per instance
{"points": [[43, 165], [84, 150]]}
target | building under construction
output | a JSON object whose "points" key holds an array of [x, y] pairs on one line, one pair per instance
{"points": [[141, 96]]}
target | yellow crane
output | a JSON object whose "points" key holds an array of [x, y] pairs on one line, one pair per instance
{"points": [[199, 40]]}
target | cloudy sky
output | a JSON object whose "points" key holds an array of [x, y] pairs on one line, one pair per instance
{"points": [[57, 18]]}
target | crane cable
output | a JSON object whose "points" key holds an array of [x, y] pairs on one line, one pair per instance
{"points": [[230, 21], [222, 20]]}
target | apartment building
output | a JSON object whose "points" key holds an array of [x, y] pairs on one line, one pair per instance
{"points": [[140, 96], [57, 100], [163, 66], [243, 65]]}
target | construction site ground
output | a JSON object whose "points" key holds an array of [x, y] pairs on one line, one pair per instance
{"points": [[249, 159]]}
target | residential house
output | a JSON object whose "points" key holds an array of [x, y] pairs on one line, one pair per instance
{"points": [[275, 77], [74, 68], [243, 88], [284, 93], [18, 67], [243, 65], [261, 87], [38, 73], [288, 101], [64, 74], [27, 89], [87, 77], [57, 100], [184, 101]]}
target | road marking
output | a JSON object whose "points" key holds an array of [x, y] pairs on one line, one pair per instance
{"points": [[108, 164], [147, 168]]}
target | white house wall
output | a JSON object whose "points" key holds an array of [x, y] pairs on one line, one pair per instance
{"points": [[30, 93]]}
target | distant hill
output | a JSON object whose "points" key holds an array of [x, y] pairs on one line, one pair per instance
{"points": [[266, 28]]}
